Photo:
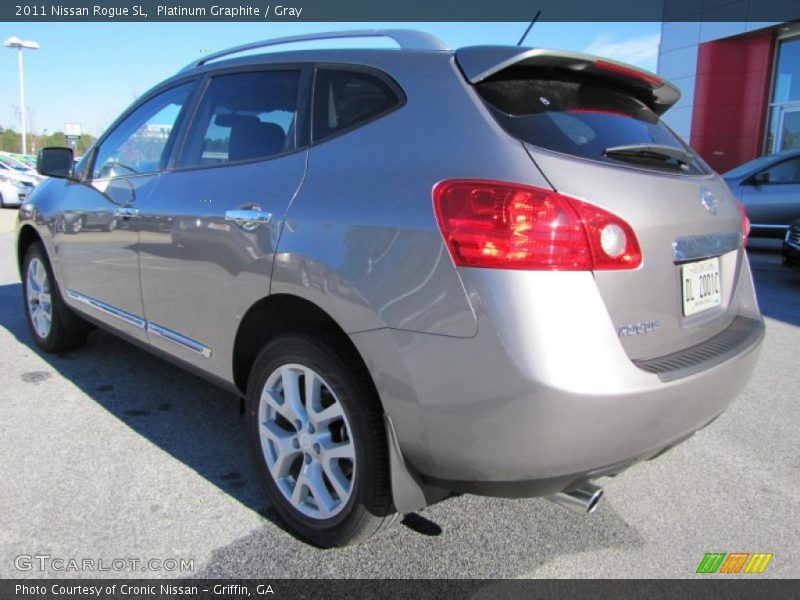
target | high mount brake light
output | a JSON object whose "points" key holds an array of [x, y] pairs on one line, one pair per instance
{"points": [[628, 72], [495, 224]]}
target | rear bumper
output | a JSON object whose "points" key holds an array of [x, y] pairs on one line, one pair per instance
{"points": [[535, 404]]}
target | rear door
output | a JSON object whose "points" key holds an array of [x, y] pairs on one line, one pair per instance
{"points": [[210, 228], [569, 114]]}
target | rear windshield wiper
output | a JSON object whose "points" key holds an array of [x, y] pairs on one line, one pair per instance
{"points": [[656, 152]]}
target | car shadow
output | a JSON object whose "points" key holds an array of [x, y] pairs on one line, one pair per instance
{"points": [[197, 423], [200, 425]]}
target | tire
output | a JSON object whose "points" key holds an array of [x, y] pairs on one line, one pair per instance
{"points": [[360, 506], [77, 225], [64, 330]]}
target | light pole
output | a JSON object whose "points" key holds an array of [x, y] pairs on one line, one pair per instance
{"points": [[19, 44]]}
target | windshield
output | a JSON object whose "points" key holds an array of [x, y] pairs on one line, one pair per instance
{"points": [[580, 115]]}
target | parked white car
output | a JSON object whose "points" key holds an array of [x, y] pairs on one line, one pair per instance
{"points": [[10, 172], [14, 162], [12, 191]]}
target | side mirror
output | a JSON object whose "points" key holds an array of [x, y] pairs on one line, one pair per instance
{"points": [[55, 162], [760, 178]]}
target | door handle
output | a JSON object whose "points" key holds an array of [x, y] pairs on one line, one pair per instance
{"points": [[248, 217], [126, 213]]}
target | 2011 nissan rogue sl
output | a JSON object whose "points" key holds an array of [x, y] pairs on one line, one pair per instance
{"points": [[493, 270]]}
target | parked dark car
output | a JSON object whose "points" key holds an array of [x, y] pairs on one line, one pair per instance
{"points": [[769, 188], [791, 246]]}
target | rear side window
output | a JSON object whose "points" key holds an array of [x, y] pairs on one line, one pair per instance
{"points": [[580, 116], [345, 99], [243, 117]]}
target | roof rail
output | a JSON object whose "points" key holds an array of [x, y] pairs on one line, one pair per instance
{"points": [[407, 39]]}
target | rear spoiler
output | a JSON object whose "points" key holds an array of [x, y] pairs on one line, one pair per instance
{"points": [[479, 63]]}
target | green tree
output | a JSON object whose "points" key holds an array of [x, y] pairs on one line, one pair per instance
{"points": [[11, 141], [59, 140]]}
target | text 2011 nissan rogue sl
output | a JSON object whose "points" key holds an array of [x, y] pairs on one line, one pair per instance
{"points": [[493, 270]]}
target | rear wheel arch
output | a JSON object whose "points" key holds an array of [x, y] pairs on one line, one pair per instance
{"points": [[278, 314]]}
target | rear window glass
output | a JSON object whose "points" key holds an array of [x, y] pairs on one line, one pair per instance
{"points": [[345, 99], [580, 116]]}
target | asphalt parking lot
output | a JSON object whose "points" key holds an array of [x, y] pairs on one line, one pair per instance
{"points": [[110, 453]]}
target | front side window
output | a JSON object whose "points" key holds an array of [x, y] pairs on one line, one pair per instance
{"points": [[138, 144], [345, 99], [243, 117], [787, 171]]}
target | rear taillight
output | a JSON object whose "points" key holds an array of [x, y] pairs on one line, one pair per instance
{"points": [[495, 224], [745, 222]]}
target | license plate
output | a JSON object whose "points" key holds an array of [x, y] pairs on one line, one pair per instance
{"points": [[700, 283]]}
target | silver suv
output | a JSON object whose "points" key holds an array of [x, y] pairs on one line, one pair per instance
{"points": [[493, 270]]}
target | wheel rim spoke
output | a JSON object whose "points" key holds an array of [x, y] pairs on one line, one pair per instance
{"points": [[313, 391], [325, 416], [293, 402], [33, 284], [39, 274], [281, 442], [322, 497], [300, 492], [337, 478], [273, 399], [332, 451]]}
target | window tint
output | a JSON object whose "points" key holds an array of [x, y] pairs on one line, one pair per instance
{"points": [[245, 116], [138, 144], [786, 172], [343, 99], [578, 115]]}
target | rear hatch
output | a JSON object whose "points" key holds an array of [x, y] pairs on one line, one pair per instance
{"points": [[593, 129]]}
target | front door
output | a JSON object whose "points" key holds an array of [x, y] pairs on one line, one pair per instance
{"points": [[774, 202], [210, 228], [98, 229]]}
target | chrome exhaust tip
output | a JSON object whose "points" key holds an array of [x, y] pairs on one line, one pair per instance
{"points": [[582, 500]]}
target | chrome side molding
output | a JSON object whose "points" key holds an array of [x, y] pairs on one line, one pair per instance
{"points": [[179, 339], [113, 311], [696, 247], [138, 322]]}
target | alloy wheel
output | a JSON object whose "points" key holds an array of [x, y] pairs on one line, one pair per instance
{"points": [[40, 306], [306, 441]]}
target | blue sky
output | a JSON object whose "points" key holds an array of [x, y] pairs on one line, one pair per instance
{"points": [[88, 72]]}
